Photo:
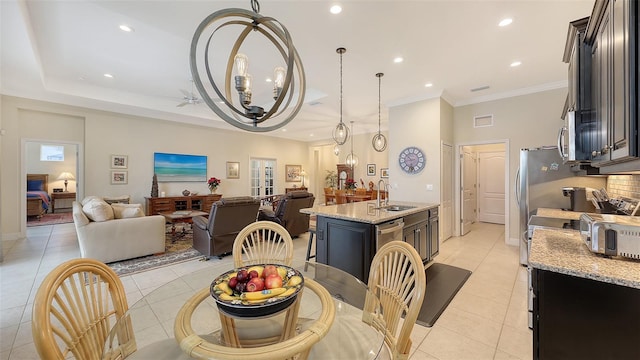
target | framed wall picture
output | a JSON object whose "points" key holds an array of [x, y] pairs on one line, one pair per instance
{"points": [[119, 161], [233, 170], [384, 172], [292, 173], [371, 169], [119, 177]]}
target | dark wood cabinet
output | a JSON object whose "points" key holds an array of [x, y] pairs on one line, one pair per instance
{"points": [[578, 318], [612, 35], [416, 233], [346, 245], [156, 205]]}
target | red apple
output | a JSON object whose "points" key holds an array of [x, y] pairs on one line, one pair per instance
{"points": [[273, 281], [233, 282], [255, 284], [269, 270], [253, 274]]}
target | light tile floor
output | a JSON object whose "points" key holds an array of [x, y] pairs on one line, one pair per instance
{"points": [[487, 319]]}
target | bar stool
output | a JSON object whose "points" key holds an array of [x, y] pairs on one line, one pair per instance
{"points": [[312, 233]]}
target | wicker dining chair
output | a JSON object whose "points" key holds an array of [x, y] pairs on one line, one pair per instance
{"points": [[398, 282], [262, 242], [74, 309], [341, 196]]}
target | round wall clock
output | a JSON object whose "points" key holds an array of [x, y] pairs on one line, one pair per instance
{"points": [[412, 160]]}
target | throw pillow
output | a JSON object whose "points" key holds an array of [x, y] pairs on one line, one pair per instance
{"points": [[98, 210], [125, 211], [124, 199], [89, 198]]}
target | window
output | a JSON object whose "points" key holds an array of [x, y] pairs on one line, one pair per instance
{"points": [[51, 153], [262, 177]]}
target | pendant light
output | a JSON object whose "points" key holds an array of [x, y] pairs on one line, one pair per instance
{"points": [[341, 132], [379, 141], [336, 150], [352, 159]]}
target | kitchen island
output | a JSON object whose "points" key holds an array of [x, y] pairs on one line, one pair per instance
{"points": [[348, 235], [585, 306]]}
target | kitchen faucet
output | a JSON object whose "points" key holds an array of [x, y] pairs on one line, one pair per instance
{"points": [[380, 189]]}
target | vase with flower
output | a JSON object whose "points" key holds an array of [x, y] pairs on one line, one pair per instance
{"points": [[213, 184], [350, 186]]}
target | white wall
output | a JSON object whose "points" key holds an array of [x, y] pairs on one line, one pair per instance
{"points": [[417, 124], [526, 121], [103, 134]]}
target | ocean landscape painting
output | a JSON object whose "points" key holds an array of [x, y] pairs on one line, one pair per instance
{"points": [[180, 167]]}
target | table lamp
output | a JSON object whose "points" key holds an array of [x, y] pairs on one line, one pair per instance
{"points": [[302, 174], [66, 176]]}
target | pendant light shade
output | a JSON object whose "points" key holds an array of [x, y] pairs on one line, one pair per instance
{"points": [[352, 159], [379, 141], [341, 132]]}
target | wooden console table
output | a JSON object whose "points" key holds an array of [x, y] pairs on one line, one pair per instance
{"points": [[61, 196], [156, 205]]}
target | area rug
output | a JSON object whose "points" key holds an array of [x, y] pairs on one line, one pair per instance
{"points": [[443, 283], [178, 248], [50, 219]]}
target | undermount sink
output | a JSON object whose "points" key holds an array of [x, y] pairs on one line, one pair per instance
{"points": [[397, 207]]}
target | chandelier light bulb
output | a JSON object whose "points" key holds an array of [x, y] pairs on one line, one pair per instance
{"points": [[242, 64], [278, 74], [336, 150], [341, 134]]}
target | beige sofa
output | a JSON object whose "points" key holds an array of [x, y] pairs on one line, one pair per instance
{"points": [[118, 239]]}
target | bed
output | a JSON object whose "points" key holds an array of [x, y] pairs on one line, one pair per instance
{"points": [[38, 198]]}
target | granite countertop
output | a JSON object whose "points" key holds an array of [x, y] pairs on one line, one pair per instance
{"points": [[366, 211], [563, 251], [559, 214]]}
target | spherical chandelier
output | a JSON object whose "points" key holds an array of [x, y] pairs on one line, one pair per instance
{"points": [[379, 141], [341, 132], [352, 159], [239, 109]]}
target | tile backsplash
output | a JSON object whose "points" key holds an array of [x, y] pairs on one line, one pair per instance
{"points": [[624, 185]]}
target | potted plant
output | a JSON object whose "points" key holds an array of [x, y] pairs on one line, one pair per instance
{"points": [[350, 185], [331, 180], [213, 184]]}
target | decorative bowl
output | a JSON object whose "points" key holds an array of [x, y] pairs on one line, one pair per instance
{"points": [[240, 307]]}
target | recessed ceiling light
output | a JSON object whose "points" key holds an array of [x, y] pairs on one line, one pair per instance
{"points": [[311, 135], [336, 9], [126, 28], [516, 63], [505, 22], [268, 80], [428, 85], [284, 130], [108, 76], [398, 60]]}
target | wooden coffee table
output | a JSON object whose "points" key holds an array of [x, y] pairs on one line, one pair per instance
{"points": [[180, 217]]}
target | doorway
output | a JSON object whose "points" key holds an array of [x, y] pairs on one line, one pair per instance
{"points": [[263, 177], [32, 164], [483, 183]]}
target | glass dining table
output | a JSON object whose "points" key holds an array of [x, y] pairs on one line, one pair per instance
{"points": [[153, 321]]}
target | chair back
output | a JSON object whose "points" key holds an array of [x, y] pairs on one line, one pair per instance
{"points": [[398, 281], [341, 197], [263, 242], [288, 211], [74, 309], [361, 191]]}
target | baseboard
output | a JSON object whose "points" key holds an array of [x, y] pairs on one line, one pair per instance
{"points": [[513, 241], [13, 236]]}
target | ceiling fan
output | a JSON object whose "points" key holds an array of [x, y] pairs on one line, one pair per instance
{"points": [[189, 97]]}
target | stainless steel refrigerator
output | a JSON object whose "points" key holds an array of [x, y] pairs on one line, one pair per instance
{"points": [[539, 183]]}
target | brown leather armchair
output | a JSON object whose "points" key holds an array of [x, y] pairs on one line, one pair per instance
{"points": [[288, 213], [215, 236]]}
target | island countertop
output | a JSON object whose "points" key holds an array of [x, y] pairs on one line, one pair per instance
{"points": [[563, 251], [366, 211]]}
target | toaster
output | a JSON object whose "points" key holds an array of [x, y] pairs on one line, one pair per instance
{"points": [[611, 235]]}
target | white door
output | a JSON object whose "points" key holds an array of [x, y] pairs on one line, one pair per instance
{"points": [[491, 187], [447, 210], [263, 177], [468, 191]]}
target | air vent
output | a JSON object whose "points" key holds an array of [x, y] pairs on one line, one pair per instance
{"points": [[480, 88], [483, 121]]}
